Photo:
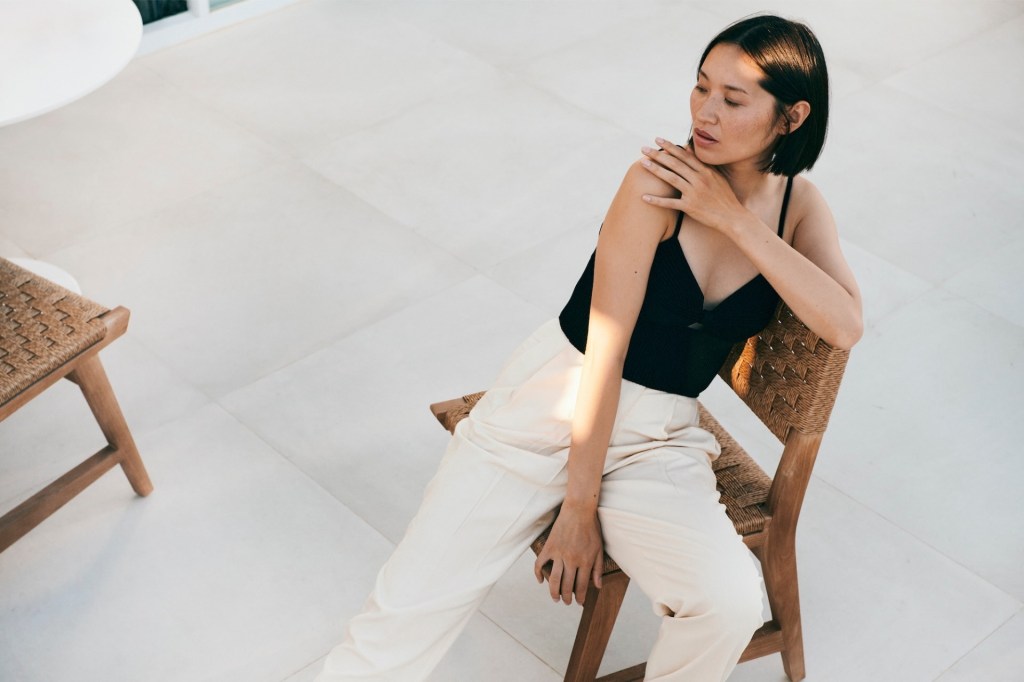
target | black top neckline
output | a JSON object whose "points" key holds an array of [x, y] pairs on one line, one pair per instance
{"points": [[746, 285], [676, 346]]}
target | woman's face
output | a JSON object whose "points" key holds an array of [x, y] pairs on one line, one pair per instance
{"points": [[734, 118]]}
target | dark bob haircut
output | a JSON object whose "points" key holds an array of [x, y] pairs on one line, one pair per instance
{"points": [[794, 69]]}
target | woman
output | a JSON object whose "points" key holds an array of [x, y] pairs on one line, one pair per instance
{"points": [[595, 414]]}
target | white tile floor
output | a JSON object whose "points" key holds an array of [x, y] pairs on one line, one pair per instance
{"points": [[328, 217]]}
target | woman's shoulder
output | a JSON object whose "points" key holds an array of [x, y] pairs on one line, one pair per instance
{"points": [[639, 181], [642, 180], [806, 194], [807, 205], [809, 213]]}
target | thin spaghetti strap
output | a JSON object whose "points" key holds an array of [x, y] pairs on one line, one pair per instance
{"points": [[679, 224], [785, 204]]}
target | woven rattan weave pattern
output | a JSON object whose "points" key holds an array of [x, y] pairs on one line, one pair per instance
{"points": [[742, 483], [42, 326], [773, 372]]}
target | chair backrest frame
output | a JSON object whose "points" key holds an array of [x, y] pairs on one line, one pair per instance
{"points": [[789, 377]]}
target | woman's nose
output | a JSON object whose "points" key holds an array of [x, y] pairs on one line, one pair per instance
{"points": [[707, 111]]}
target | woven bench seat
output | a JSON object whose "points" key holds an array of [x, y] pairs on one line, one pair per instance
{"points": [[48, 333], [43, 326]]}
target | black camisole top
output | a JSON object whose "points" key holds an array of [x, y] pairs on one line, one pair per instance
{"points": [[678, 345]]}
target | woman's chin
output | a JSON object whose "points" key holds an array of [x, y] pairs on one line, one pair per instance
{"points": [[704, 155], [712, 156]]}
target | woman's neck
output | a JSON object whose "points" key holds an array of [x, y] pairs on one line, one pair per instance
{"points": [[748, 181]]}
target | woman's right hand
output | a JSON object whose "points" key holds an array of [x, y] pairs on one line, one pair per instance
{"points": [[575, 550]]}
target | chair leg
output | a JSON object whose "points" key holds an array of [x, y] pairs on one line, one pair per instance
{"points": [[599, 613], [92, 380], [779, 566]]}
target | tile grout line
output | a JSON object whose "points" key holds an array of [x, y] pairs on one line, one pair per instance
{"points": [[516, 640], [367, 522], [976, 646], [954, 45], [302, 472], [1012, 597], [327, 343]]}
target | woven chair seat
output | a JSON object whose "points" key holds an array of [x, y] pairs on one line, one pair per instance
{"points": [[742, 483], [42, 326]]}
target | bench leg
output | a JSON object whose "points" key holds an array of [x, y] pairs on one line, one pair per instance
{"points": [[92, 379], [33, 511]]}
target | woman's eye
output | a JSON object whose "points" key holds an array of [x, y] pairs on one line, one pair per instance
{"points": [[731, 103], [700, 88]]}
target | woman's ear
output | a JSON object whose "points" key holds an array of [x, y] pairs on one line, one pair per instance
{"points": [[796, 114]]}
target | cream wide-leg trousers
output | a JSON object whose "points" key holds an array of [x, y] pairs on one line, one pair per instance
{"points": [[499, 483]]}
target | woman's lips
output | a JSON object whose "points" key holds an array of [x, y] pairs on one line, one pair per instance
{"points": [[702, 138]]}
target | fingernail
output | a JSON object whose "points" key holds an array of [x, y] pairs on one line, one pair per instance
{"points": [[646, 150], [647, 198], [645, 162], [659, 140]]}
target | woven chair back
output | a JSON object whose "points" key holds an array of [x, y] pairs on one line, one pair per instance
{"points": [[787, 375]]}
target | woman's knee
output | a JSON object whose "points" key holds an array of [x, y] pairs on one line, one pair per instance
{"points": [[728, 602], [738, 610]]}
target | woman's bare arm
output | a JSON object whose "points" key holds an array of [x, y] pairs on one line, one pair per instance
{"points": [[625, 250], [812, 275]]}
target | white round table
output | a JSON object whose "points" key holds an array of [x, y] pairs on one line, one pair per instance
{"points": [[54, 51], [51, 53]]}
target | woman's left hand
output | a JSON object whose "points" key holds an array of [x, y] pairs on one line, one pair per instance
{"points": [[705, 194], [575, 553]]}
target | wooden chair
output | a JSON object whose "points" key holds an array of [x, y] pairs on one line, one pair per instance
{"points": [[48, 333], [789, 379]]}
